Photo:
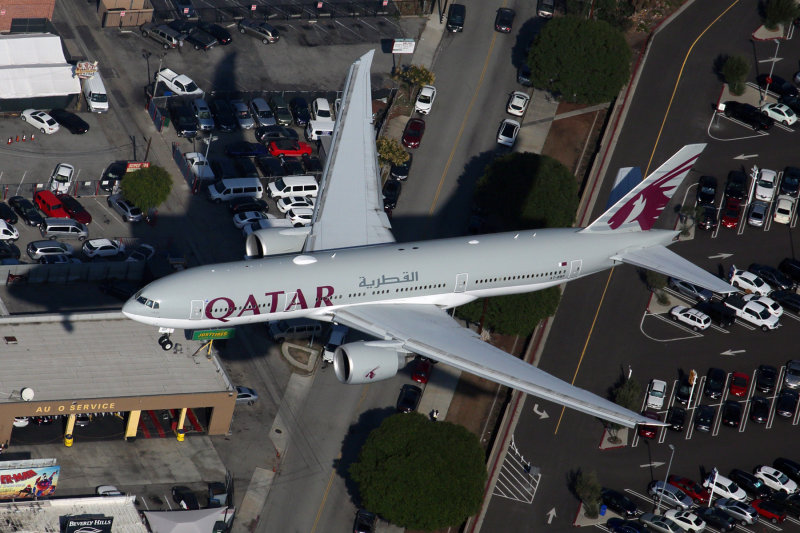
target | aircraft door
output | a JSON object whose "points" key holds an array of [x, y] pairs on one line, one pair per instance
{"points": [[197, 310], [575, 268], [461, 283]]}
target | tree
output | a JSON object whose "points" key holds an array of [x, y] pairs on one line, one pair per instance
{"points": [[628, 394], [585, 61], [735, 71], [415, 76], [420, 474], [147, 187], [391, 152], [516, 314], [589, 490], [780, 12]]}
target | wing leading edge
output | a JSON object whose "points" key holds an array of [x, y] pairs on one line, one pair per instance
{"points": [[431, 332]]}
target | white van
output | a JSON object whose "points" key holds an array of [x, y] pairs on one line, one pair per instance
{"points": [[95, 93], [293, 186], [318, 128], [228, 189]]}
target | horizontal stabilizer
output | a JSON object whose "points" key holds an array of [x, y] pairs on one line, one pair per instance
{"points": [[667, 262]]}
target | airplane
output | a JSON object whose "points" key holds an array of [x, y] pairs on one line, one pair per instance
{"points": [[346, 268]]}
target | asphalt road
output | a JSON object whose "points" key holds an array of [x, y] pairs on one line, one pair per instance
{"points": [[602, 325]]}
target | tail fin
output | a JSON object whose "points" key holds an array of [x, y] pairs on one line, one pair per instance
{"points": [[640, 208]]}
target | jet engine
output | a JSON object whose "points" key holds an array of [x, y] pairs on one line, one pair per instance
{"points": [[275, 241], [359, 362]]}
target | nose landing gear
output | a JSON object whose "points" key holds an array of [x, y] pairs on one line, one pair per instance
{"points": [[165, 342]]}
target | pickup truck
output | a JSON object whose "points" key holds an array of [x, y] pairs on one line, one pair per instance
{"points": [[752, 312], [199, 166], [180, 84]]}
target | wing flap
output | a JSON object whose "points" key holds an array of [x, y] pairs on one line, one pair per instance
{"points": [[431, 332]]}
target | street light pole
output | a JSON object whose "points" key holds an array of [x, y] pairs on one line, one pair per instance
{"points": [[209, 140], [774, 60], [669, 466]]}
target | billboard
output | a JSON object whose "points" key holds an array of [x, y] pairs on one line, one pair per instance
{"points": [[86, 523], [28, 482]]}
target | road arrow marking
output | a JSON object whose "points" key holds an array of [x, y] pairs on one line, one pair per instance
{"points": [[654, 464], [550, 515], [749, 156], [732, 352], [541, 414], [720, 256]]}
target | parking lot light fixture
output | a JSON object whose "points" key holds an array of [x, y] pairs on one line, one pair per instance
{"points": [[209, 140], [669, 466]]}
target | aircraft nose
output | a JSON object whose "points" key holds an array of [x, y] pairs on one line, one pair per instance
{"points": [[128, 308]]}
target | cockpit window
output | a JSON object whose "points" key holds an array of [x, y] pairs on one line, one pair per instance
{"points": [[152, 304]]}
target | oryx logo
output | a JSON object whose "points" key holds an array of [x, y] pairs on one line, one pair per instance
{"points": [[371, 373], [645, 207]]}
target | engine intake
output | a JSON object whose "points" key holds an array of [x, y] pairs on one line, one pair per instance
{"points": [[275, 241], [357, 362]]}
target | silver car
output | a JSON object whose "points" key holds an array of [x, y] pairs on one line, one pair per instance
{"points": [[660, 523], [242, 115], [690, 290], [758, 212], [792, 377], [740, 511], [246, 395], [669, 495], [202, 114], [128, 211], [38, 249]]}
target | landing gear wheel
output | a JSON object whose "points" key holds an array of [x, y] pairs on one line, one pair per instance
{"points": [[165, 342]]}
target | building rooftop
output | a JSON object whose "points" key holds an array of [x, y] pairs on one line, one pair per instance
{"points": [[43, 516]]}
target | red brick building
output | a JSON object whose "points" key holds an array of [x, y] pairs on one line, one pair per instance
{"points": [[24, 9]]}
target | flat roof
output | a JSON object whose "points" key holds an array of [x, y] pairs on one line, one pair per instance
{"points": [[100, 355], [43, 515]]}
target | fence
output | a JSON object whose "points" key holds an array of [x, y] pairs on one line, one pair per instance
{"points": [[31, 273]]}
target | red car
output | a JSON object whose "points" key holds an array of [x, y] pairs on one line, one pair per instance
{"points": [[422, 369], [74, 209], [731, 211], [412, 135], [691, 488], [739, 384], [769, 510], [289, 147], [649, 432]]}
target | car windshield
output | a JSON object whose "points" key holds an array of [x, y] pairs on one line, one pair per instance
{"points": [[204, 115], [425, 99], [707, 190], [764, 313], [767, 184], [733, 488], [793, 370], [657, 393], [508, 130]]}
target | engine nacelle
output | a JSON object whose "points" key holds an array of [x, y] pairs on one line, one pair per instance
{"points": [[275, 241], [358, 362]]}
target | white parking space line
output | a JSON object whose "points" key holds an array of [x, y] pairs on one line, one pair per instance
{"points": [[20, 183], [692, 334], [790, 315], [513, 482], [721, 116]]}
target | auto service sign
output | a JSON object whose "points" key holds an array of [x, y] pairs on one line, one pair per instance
{"points": [[85, 69], [30, 482], [403, 46]]}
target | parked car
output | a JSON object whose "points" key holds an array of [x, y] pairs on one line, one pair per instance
{"points": [[784, 207], [425, 98], [182, 119], [102, 248], [222, 35], [766, 375], [786, 403], [774, 277], [266, 33], [74, 209], [775, 479], [618, 502], [790, 503], [732, 413], [731, 212], [299, 108], [736, 185], [765, 184], [619, 525], [738, 510], [790, 181], [507, 132], [240, 205], [791, 378], [715, 382], [750, 483], [262, 112], [691, 318], [413, 132], [690, 487], [391, 193], [421, 370], [289, 147], [687, 520], [282, 114], [758, 212], [400, 172], [72, 122], [128, 211], [659, 523], [707, 190], [185, 498], [241, 220], [716, 518], [242, 115], [246, 395], [780, 113], [788, 467], [690, 290], [200, 39], [776, 84], [787, 299], [704, 417], [364, 522], [245, 149], [656, 393], [40, 120], [517, 103], [647, 431], [740, 383], [26, 210], [670, 495], [708, 219], [142, 252], [718, 312], [265, 134], [409, 398], [676, 418], [748, 282], [39, 249], [7, 214], [748, 114], [292, 202], [725, 488], [769, 510], [504, 20], [759, 409]]}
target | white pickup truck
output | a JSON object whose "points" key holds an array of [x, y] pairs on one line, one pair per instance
{"points": [[180, 84], [199, 166], [752, 312]]}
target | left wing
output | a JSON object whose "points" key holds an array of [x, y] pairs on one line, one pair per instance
{"points": [[429, 331]]}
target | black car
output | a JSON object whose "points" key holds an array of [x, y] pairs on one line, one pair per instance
{"points": [[223, 168], [753, 486], [311, 163], [184, 27], [245, 168], [391, 193], [266, 134], [185, 498], [182, 120], [242, 205], [704, 417], [718, 311], [618, 525], [219, 33], [400, 172], [292, 166], [788, 467], [716, 517], [748, 114], [787, 299], [365, 522], [793, 102], [245, 149], [759, 409], [776, 279], [790, 182], [736, 184], [26, 210], [7, 214], [300, 112], [8, 250], [731, 413], [618, 502], [71, 121], [790, 267], [676, 418], [708, 219], [715, 382], [224, 118], [786, 404], [789, 503], [112, 175], [765, 378], [524, 76], [683, 390], [409, 397], [504, 20], [270, 166], [707, 190], [777, 85], [201, 40]]}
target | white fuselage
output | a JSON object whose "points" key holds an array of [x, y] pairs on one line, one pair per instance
{"points": [[446, 273]]}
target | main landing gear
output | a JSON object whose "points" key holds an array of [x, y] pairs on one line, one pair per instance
{"points": [[165, 342]]}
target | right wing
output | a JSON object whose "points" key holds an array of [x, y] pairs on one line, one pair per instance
{"points": [[429, 331]]}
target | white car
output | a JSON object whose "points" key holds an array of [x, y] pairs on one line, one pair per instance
{"points": [[775, 479], [40, 120], [102, 248], [693, 318], [765, 186], [109, 490], [425, 99], [300, 216], [199, 166], [143, 252], [656, 393], [507, 133], [8, 232], [61, 178], [518, 103], [241, 220], [749, 282], [725, 488], [321, 110], [783, 209], [772, 306], [687, 520], [290, 202], [780, 113]]}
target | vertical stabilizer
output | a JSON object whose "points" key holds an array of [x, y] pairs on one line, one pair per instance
{"points": [[640, 208]]}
